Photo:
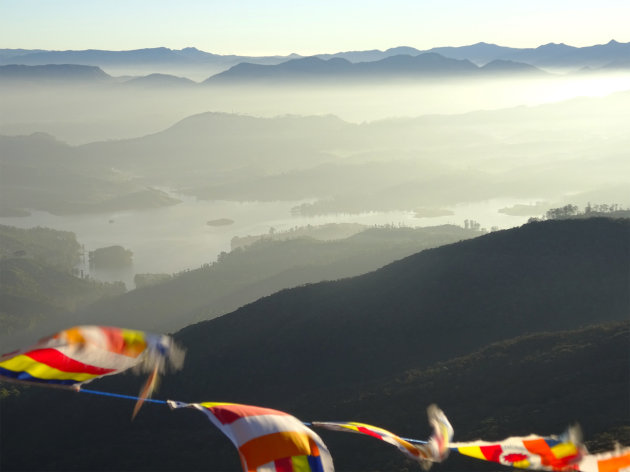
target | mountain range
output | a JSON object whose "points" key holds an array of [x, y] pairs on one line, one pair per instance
{"points": [[153, 56], [479, 53], [314, 69], [421, 66], [199, 65], [189, 62]]}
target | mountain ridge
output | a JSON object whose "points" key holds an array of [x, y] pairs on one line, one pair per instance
{"points": [[425, 65], [194, 61], [59, 73]]}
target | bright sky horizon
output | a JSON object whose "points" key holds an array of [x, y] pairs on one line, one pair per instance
{"points": [[281, 27]]}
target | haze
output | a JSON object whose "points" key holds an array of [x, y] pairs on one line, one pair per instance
{"points": [[419, 154], [168, 138], [84, 114]]}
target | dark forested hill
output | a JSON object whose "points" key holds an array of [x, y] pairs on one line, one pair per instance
{"points": [[378, 348], [434, 305]]}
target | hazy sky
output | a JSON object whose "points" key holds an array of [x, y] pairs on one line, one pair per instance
{"points": [[259, 27]]}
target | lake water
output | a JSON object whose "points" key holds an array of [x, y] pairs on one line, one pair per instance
{"points": [[178, 238]]}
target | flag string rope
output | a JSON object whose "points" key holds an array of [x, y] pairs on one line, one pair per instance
{"points": [[163, 402], [119, 395]]}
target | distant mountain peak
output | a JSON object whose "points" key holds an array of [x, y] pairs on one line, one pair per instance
{"points": [[555, 45], [160, 80], [503, 65], [403, 50]]}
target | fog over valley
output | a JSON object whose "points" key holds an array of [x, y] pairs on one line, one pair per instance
{"points": [[147, 162], [94, 112]]}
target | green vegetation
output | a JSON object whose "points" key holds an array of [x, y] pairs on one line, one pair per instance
{"points": [[590, 211], [145, 280], [324, 232], [58, 249], [37, 268], [220, 222], [32, 292], [111, 257]]}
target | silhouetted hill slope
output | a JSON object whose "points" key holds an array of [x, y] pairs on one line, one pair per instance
{"points": [[538, 384], [188, 62], [159, 81], [501, 66], [559, 367], [478, 53], [548, 55], [59, 73], [426, 65], [562, 55], [539, 277], [364, 56]]}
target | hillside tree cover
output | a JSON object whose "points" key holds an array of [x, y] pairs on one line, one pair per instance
{"points": [[513, 332], [39, 278]]}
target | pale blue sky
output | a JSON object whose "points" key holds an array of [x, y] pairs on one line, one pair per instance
{"points": [[259, 27]]}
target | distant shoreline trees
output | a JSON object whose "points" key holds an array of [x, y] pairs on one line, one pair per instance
{"points": [[572, 211], [111, 257]]}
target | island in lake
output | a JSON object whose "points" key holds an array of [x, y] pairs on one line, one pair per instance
{"points": [[220, 222]]}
